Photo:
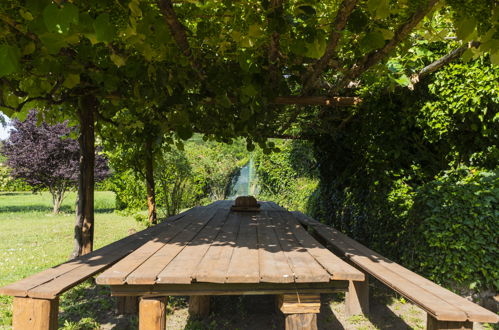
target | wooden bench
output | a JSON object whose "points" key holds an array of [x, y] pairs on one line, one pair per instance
{"points": [[36, 298], [445, 309]]}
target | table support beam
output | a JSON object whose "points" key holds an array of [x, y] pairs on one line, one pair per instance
{"points": [[152, 313], [35, 314], [357, 298], [199, 306], [300, 310], [434, 324]]}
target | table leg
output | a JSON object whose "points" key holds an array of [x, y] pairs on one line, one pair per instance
{"points": [[152, 313], [434, 324], [199, 306], [300, 310], [357, 298], [35, 314], [127, 305]]}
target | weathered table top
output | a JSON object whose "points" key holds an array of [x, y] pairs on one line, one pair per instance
{"points": [[213, 244]]}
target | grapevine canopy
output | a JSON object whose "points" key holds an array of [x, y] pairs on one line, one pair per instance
{"points": [[223, 68]]}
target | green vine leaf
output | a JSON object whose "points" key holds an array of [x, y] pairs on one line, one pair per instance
{"points": [[59, 20], [104, 31], [9, 60]]}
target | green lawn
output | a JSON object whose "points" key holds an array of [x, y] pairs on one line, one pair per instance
{"points": [[32, 239]]}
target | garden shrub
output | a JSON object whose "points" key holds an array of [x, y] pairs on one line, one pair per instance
{"points": [[456, 220], [8, 183], [130, 191]]}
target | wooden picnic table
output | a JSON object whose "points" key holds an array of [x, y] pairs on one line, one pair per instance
{"points": [[215, 251]]}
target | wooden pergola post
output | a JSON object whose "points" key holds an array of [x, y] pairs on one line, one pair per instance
{"points": [[35, 314], [300, 310], [152, 313]]}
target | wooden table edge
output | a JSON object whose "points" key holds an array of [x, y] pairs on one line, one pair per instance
{"points": [[214, 289]]}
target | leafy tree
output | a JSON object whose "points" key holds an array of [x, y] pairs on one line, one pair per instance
{"points": [[221, 68], [175, 180], [46, 157], [8, 183]]}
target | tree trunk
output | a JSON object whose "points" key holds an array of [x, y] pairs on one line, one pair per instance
{"points": [[84, 226], [151, 194], [57, 197], [57, 201]]}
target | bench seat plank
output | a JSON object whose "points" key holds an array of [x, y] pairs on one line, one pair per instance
{"points": [[338, 269], [39, 285], [437, 301]]}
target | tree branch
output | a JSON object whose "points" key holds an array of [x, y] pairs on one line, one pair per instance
{"points": [[339, 24], [376, 56], [16, 26], [177, 30], [337, 101], [444, 60], [276, 10]]}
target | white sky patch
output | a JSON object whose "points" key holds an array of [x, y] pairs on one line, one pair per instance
{"points": [[4, 130]]}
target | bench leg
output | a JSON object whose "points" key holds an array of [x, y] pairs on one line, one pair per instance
{"points": [[357, 298], [127, 305], [35, 314], [300, 310], [434, 324], [152, 313], [199, 306]]}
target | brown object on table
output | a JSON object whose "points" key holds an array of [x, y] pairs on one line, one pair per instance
{"points": [[245, 204]]}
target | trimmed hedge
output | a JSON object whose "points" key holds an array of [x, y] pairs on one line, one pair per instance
{"points": [[456, 229]]}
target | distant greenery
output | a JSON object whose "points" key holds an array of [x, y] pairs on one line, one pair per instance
{"points": [[8, 183], [287, 177], [196, 174]]}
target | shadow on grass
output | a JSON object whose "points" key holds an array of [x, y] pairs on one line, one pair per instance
{"points": [[88, 306], [15, 193], [238, 312], [65, 209]]}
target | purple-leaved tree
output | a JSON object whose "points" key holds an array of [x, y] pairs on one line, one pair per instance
{"points": [[46, 157]]}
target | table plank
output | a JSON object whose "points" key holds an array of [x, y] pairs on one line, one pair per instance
{"points": [[118, 273], [213, 267], [244, 264], [148, 271], [183, 266], [305, 267], [274, 267]]}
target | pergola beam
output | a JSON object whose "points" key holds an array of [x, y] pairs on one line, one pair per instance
{"points": [[335, 101]]}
